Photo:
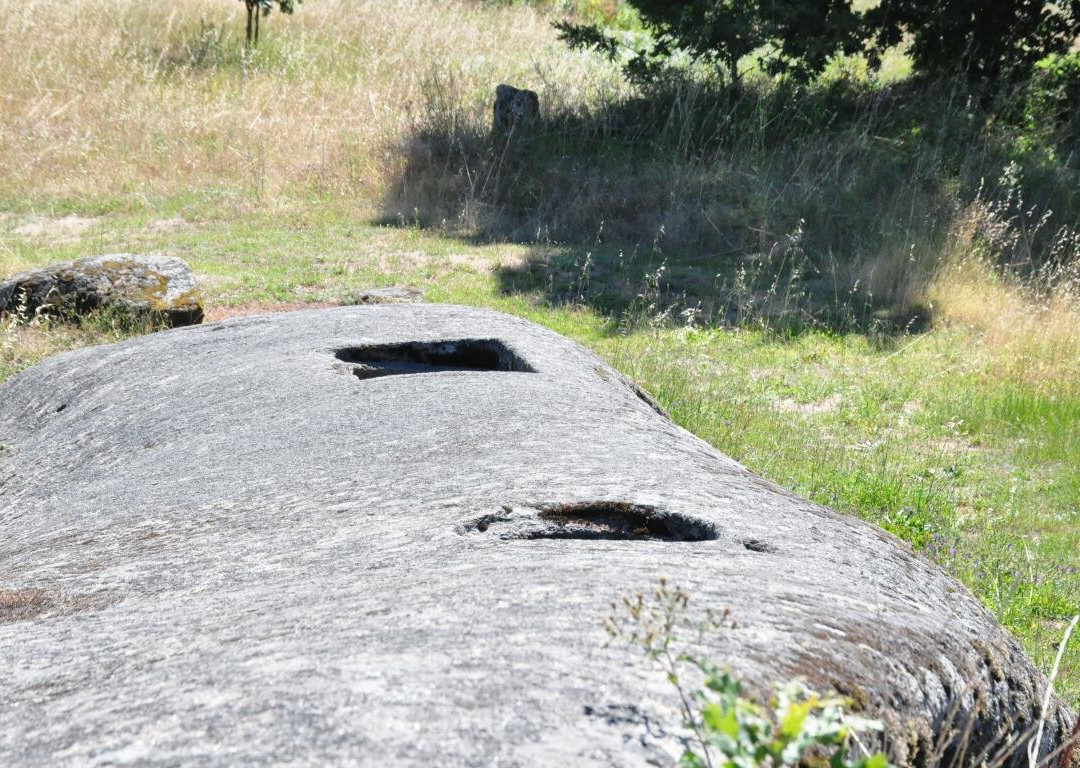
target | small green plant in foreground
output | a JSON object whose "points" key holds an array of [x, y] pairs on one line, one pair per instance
{"points": [[799, 726]]}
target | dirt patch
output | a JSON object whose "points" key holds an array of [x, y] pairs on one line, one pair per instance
{"points": [[481, 262], [393, 294], [63, 229], [157, 226], [218, 313], [477, 262], [831, 404], [402, 260], [950, 446]]}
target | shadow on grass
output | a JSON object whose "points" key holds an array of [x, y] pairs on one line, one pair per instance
{"points": [[635, 287], [786, 208]]}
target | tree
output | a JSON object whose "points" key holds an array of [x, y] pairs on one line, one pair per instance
{"points": [[256, 8], [799, 35], [981, 39], [984, 40]]}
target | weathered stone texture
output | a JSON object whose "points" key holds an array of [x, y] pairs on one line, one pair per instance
{"points": [[386, 535], [161, 286]]}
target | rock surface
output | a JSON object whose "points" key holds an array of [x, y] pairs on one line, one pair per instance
{"points": [[514, 107], [386, 535], [161, 286]]}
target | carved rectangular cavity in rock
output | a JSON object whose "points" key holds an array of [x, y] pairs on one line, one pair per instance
{"points": [[375, 360]]}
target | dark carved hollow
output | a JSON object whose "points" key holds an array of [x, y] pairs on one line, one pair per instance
{"points": [[408, 357], [612, 520]]}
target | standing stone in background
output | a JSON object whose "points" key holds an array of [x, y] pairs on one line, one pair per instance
{"points": [[514, 107], [160, 286]]}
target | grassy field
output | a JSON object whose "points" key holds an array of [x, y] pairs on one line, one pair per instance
{"points": [[827, 308]]}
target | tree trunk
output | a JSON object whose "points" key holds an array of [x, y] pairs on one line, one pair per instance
{"points": [[249, 8], [257, 15]]}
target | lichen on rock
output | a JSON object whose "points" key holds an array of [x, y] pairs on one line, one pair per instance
{"points": [[159, 287]]}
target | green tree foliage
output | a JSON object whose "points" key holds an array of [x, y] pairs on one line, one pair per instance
{"points": [[801, 35], [1051, 108], [257, 8], [982, 39]]}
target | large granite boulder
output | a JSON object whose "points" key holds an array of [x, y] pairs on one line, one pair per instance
{"points": [[387, 535], [160, 287]]}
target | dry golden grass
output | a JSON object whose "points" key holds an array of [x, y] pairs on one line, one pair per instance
{"points": [[136, 105], [1029, 326], [123, 103], [126, 105]]}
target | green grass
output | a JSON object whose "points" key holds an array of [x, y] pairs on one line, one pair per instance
{"points": [[927, 435], [980, 477]]}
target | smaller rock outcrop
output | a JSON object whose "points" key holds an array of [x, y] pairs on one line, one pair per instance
{"points": [[162, 287], [514, 107]]}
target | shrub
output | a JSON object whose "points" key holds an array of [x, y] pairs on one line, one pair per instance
{"points": [[980, 39], [1053, 100], [800, 36]]}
